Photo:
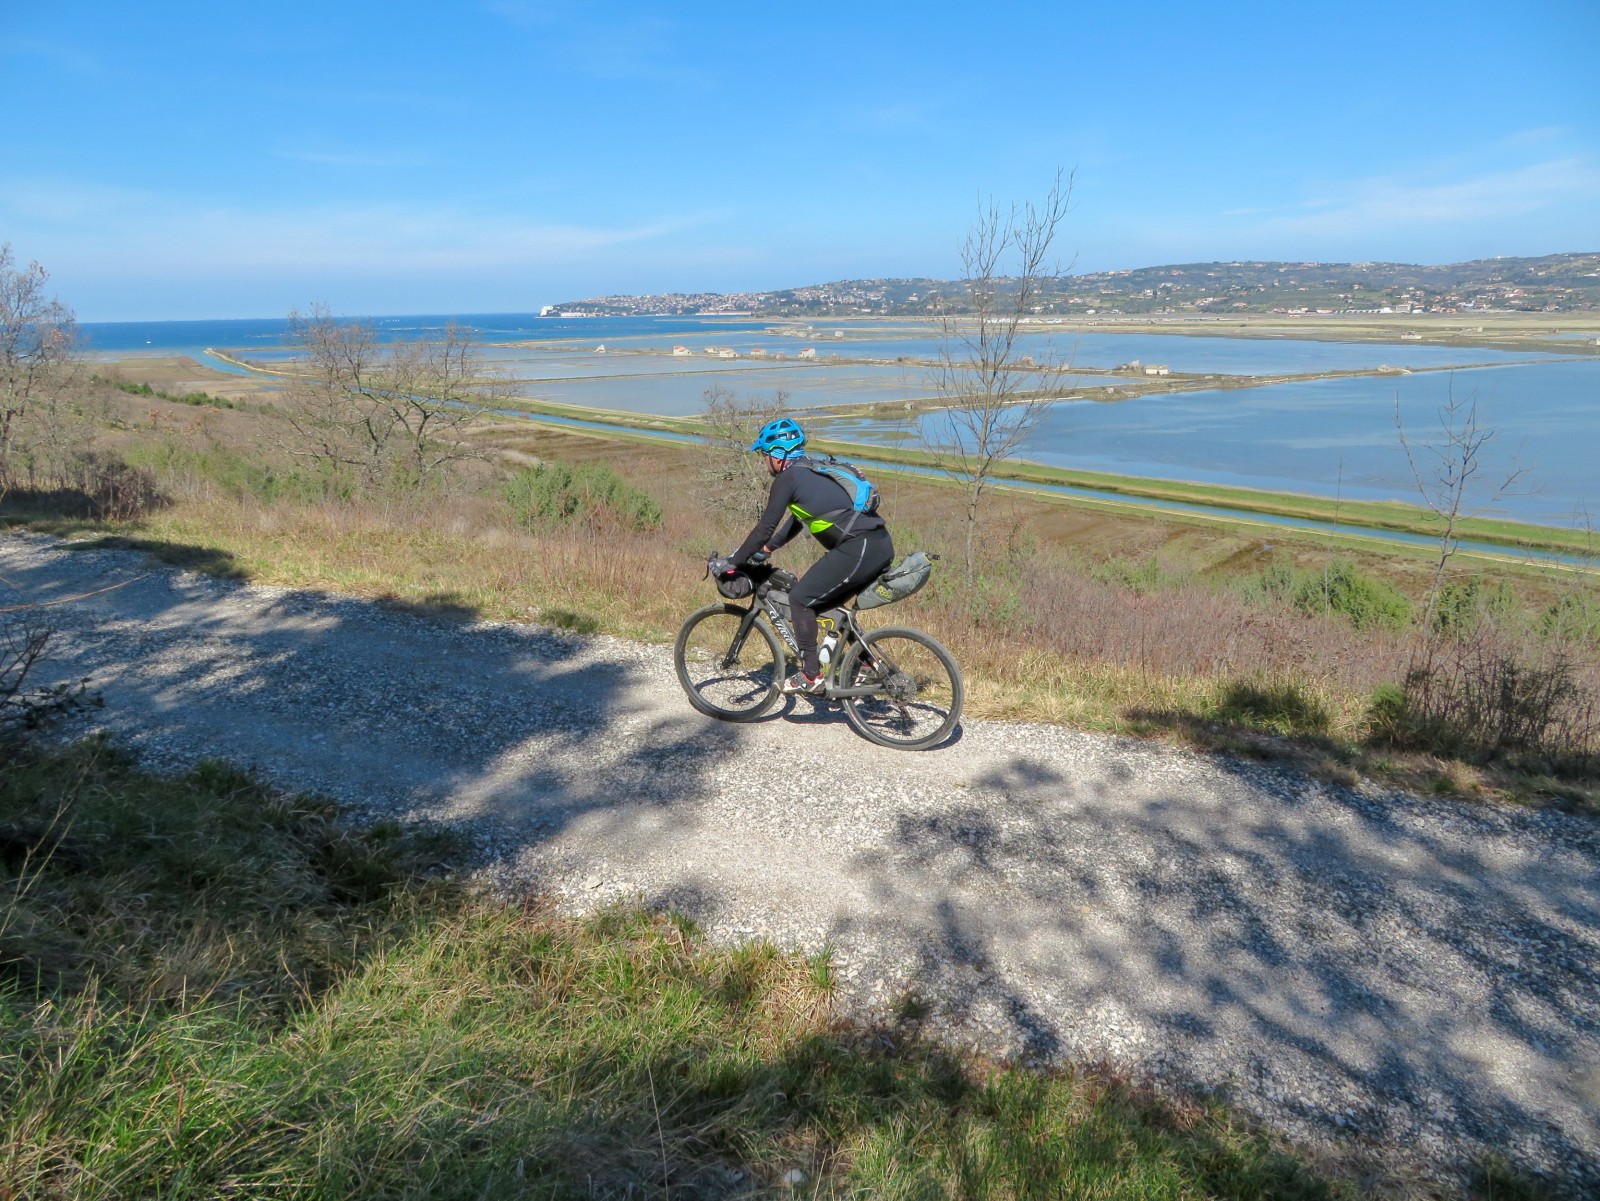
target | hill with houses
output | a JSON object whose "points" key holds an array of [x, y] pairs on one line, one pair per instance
{"points": [[1550, 283]]}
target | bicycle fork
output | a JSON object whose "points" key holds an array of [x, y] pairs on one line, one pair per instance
{"points": [[736, 647]]}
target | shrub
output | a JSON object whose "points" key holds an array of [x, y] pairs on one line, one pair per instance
{"points": [[1390, 721], [1141, 578], [1461, 604], [1286, 708], [114, 490], [1274, 585], [183, 466], [1362, 600], [1488, 696], [187, 398], [1575, 618], [1339, 588], [563, 492]]}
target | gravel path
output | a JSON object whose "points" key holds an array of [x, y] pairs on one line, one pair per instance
{"points": [[1417, 975]]}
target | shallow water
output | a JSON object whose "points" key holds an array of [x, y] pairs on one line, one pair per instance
{"points": [[1338, 437], [1326, 437]]}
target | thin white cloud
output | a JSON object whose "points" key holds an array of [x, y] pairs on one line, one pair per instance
{"points": [[612, 48], [121, 231], [426, 97], [327, 156], [525, 14], [896, 117], [1380, 206], [1535, 137], [55, 203], [61, 54]]}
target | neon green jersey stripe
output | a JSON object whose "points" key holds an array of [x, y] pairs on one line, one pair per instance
{"points": [[815, 524]]}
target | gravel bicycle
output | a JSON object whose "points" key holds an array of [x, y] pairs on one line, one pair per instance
{"points": [[898, 687]]}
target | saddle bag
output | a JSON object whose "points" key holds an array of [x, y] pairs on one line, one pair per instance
{"points": [[897, 583]]}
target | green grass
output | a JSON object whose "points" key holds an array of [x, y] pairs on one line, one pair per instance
{"points": [[212, 989], [185, 398], [210, 884]]}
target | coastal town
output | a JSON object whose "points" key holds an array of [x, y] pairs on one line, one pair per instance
{"points": [[1552, 284]]}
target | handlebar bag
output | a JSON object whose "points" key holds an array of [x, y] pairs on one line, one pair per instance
{"points": [[736, 586]]}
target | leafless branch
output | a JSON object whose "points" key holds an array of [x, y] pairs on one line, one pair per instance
{"points": [[38, 340], [358, 406], [994, 394], [1451, 487]]}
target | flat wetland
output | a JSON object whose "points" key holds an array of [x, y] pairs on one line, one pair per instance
{"points": [[1221, 440]]}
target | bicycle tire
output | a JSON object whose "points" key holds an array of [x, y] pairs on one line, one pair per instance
{"points": [[924, 704], [742, 691]]}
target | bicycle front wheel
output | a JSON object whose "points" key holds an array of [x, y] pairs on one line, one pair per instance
{"points": [[922, 689], [721, 680]]}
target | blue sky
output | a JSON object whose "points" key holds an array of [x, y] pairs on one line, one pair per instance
{"points": [[189, 160]]}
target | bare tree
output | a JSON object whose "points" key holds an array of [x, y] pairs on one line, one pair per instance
{"points": [[733, 481], [1449, 479], [38, 336], [362, 407], [993, 393], [25, 705]]}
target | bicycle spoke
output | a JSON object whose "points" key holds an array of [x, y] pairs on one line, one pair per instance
{"points": [[735, 687], [920, 700]]}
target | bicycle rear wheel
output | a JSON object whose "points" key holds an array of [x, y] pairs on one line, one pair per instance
{"points": [[922, 689], [719, 683]]}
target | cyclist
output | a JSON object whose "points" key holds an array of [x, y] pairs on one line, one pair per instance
{"points": [[858, 544]]}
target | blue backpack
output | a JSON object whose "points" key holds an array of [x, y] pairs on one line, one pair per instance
{"points": [[863, 492]]}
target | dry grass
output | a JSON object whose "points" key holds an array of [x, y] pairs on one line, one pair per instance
{"points": [[1124, 623]]}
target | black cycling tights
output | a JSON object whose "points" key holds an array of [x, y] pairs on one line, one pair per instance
{"points": [[831, 580]]}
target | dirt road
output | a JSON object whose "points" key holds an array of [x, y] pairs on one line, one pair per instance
{"points": [[1418, 973]]}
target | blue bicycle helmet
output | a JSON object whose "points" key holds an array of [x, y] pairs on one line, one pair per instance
{"points": [[783, 439]]}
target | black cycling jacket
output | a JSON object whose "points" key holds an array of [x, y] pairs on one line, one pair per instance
{"points": [[800, 498]]}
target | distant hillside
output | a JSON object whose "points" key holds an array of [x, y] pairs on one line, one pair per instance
{"points": [[1553, 283]]}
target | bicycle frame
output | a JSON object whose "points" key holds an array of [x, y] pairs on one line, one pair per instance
{"points": [[763, 604]]}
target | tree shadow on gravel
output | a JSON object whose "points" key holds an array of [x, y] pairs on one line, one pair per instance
{"points": [[517, 732], [434, 606], [814, 712], [1417, 973], [207, 560]]}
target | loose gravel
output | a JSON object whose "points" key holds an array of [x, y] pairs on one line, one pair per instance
{"points": [[1355, 967]]}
